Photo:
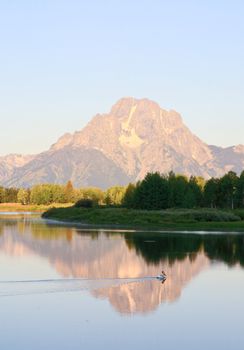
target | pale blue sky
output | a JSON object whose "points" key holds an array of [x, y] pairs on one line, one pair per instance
{"points": [[63, 61]]}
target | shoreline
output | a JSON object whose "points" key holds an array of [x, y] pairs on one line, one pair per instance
{"points": [[154, 229], [17, 207], [177, 220], [129, 219]]}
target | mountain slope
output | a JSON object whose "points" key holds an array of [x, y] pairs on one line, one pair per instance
{"points": [[82, 166], [139, 137], [229, 158], [11, 162], [135, 137]]}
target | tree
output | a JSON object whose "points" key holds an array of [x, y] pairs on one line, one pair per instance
{"points": [[11, 195], [228, 190], [189, 199], [41, 194], [152, 193], [210, 193], [93, 193], [69, 193], [240, 191], [128, 200], [23, 196], [193, 196], [114, 195], [2, 195], [58, 193], [201, 182], [178, 185]]}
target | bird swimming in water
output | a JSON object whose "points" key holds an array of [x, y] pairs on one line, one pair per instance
{"points": [[162, 276]]}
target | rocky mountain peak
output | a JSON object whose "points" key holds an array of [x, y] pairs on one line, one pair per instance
{"points": [[62, 141], [123, 106], [16, 160], [135, 137], [239, 149]]}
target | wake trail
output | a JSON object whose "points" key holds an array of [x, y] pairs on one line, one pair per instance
{"points": [[29, 287]]}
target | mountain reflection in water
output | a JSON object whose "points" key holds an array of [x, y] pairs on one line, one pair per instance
{"points": [[98, 254]]}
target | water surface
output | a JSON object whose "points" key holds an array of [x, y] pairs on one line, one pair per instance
{"points": [[72, 288]]}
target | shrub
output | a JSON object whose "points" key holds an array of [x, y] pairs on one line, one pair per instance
{"points": [[84, 203], [240, 213], [207, 215]]}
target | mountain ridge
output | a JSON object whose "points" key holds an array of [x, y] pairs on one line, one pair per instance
{"points": [[137, 136]]}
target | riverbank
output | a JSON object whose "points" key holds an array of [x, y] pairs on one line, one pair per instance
{"points": [[181, 219], [17, 207]]}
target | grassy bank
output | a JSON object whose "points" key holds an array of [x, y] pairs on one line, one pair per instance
{"points": [[201, 219], [17, 207]]}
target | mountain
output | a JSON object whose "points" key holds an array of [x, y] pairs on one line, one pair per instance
{"points": [[230, 158], [135, 137], [11, 162]]}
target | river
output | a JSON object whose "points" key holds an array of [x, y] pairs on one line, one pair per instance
{"points": [[65, 287]]}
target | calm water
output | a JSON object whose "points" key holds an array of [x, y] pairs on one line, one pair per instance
{"points": [[71, 288]]}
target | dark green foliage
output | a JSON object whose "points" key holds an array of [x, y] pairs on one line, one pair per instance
{"points": [[178, 187], [194, 193], [152, 193], [177, 191], [206, 215], [240, 191], [128, 200], [228, 190], [84, 203], [161, 192], [240, 213], [210, 195]]}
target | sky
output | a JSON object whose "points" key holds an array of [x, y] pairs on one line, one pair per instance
{"points": [[61, 62]]}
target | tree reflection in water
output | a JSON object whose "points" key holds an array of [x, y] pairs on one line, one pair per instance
{"points": [[82, 253], [227, 248]]}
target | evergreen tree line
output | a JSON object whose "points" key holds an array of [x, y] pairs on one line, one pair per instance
{"points": [[158, 191], [155, 191]]}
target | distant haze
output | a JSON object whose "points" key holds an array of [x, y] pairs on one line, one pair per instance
{"points": [[62, 61]]}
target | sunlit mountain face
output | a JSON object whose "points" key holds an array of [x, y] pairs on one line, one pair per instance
{"points": [[60, 252], [137, 136]]}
